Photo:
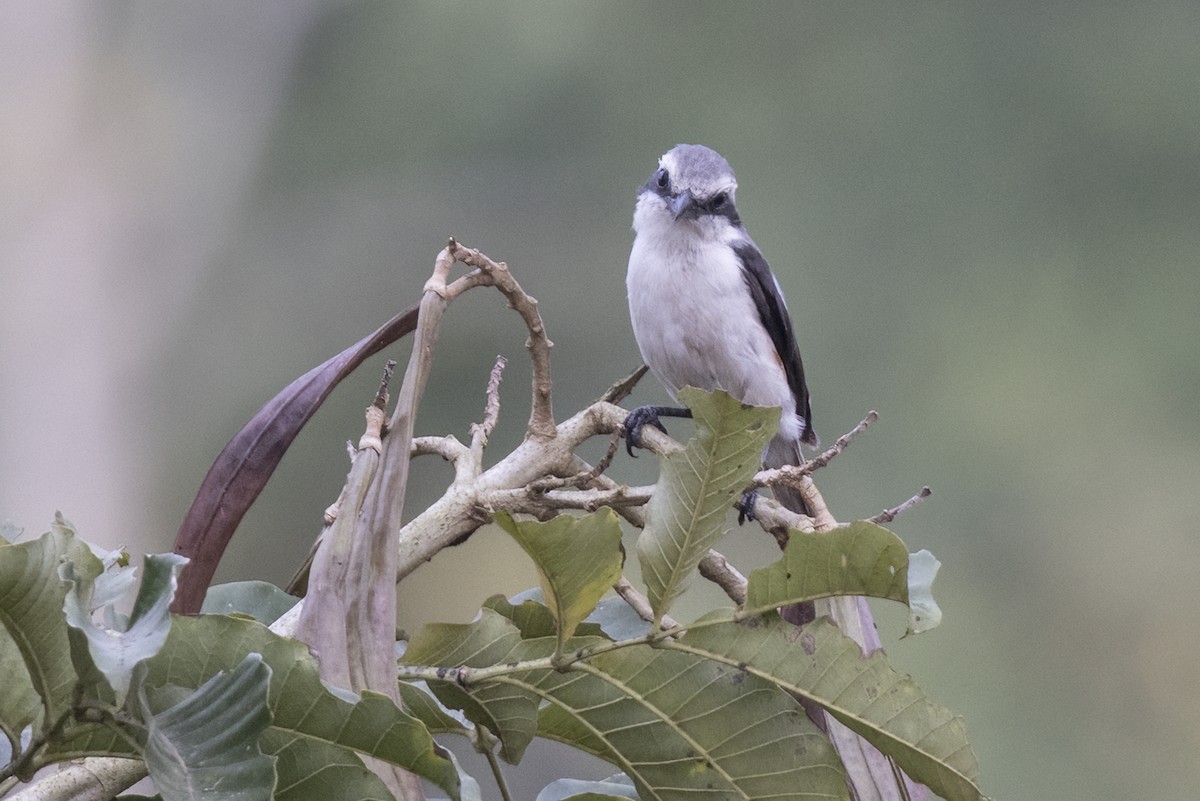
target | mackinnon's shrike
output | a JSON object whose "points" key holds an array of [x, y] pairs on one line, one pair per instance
{"points": [[706, 308]]}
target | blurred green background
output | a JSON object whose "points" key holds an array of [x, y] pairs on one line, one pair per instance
{"points": [[984, 216]]}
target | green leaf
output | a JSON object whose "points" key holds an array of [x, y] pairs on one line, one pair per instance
{"points": [[112, 585], [819, 663], [698, 485], [675, 723], [206, 746], [20, 705], [508, 712], [859, 559], [682, 727], [33, 630], [159, 580], [420, 702], [310, 769], [89, 739], [617, 786], [96, 739], [923, 612], [533, 618], [260, 600], [117, 653], [316, 736], [578, 559]]}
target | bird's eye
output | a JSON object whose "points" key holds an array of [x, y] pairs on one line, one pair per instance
{"points": [[719, 199], [662, 179]]}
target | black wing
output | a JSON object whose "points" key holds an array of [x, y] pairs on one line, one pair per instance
{"points": [[774, 315]]}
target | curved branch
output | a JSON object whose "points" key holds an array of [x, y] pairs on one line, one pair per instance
{"points": [[541, 415]]}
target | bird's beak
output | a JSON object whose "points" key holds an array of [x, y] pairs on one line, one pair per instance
{"points": [[684, 205]]}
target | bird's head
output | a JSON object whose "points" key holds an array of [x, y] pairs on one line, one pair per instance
{"points": [[694, 185]]}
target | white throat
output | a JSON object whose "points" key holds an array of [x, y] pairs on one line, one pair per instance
{"points": [[652, 219]]}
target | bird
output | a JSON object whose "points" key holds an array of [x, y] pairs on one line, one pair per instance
{"points": [[707, 310]]}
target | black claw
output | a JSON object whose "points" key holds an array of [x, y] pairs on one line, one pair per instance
{"points": [[634, 424], [745, 506], [642, 416]]}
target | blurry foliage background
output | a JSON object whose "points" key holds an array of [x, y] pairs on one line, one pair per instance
{"points": [[985, 218]]}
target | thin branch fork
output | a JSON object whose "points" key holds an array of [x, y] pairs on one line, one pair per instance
{"points": [[791, 474], [585, 477], [456, 514]]}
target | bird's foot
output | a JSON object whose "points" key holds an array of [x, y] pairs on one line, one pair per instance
{"points": [[643, 416], [745, 506]]}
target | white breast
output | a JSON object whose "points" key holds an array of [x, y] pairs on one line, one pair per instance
{"points": [[695, 321]]}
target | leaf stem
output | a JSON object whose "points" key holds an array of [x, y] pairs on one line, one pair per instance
{"points": [[466, 676], [497, 773]]}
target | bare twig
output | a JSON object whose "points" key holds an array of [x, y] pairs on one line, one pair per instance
{"points": [[640, 603], [842, 442], [822, 519], [778, 520], [614, 442], [888, 515], [621, 389], [491, 411], [584, 478], [631, 514], [716, 568], [532, 501], [792, 474], [447, 447], [381, 397], [366, 441]]}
